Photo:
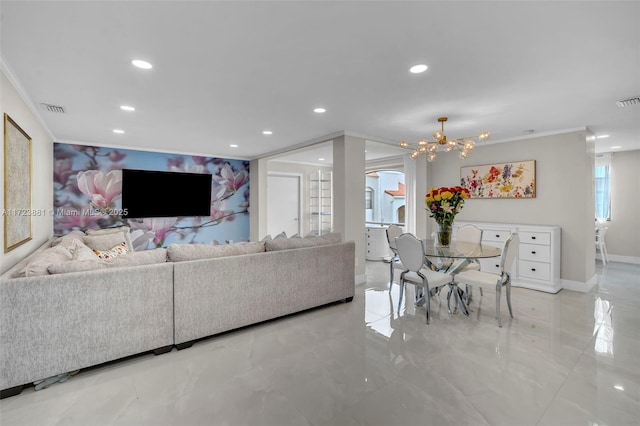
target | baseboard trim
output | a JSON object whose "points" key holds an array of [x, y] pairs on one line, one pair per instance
{"points": [[361, 279], [620, 258], [579, 286]]}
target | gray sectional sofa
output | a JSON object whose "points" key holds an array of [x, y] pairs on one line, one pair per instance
{"points": [[80, 316]]}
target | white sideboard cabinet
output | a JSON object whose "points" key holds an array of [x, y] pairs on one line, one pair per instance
{"points": [[538, 263], [377, 244]]}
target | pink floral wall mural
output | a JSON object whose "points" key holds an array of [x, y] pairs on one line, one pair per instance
{"points": [[88, 195]]}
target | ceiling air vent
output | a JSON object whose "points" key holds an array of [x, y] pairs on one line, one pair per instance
{"points": [[628, 102], [53, 108]]}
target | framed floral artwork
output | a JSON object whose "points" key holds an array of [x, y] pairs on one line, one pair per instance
{"points": [[17, 185], [516, 179]]}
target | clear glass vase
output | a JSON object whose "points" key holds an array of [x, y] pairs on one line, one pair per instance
{"points": [[444, 235]]}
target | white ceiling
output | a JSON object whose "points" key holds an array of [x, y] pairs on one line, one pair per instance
{"points": [[225, 71]]}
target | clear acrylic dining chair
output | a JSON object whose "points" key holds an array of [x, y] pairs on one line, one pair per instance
{"points": [[393, 232], [600, 244], [480, 278], [411, 253]]}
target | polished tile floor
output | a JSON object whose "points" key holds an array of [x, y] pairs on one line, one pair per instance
{"points": [[565, 359]]}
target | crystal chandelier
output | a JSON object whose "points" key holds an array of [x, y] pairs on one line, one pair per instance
{"points": [[465, 144]]}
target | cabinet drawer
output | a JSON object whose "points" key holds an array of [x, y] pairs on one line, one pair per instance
{"points": [[528, 237], [496, 235], [491, 265], [536, 270], [535, 253]]}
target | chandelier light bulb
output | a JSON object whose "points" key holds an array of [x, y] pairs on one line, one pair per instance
{"points": [[437, 135], [469, 145], [449, 148], [404, 144], [433, 148], [463, 154], [423, 142], [414, 155], [431, 157], [422, 149], [484, 135]]}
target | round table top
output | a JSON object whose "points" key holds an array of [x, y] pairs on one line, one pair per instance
{"points": [[460, 249]]}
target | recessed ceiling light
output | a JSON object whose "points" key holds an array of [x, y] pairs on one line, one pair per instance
{"points": [[127, 108], [417, 69], [529, 132], [616, 147], [602, 136], [118, 131], [320, 159], [233, 145], [267, 132], [319, 110], [142, 64], [619, 387]]}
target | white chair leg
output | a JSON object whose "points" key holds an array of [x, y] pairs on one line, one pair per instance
{"points": [[498, 291], [509, 296], [390, 275], [401, 293]]}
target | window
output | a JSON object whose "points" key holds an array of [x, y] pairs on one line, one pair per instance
{"points": [[603, 186], [384, 196], [368, 198]]}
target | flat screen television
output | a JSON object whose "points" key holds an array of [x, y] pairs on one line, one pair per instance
{"points": [[148, 193]]}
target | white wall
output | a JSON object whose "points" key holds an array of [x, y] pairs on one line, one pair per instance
{"points": [[564, 194], [305, 171], [623, 235], [42, 172]]}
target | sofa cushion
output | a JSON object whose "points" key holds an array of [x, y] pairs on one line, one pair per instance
{"points": [[308, 241], [93, 240], [113, 252], [146, 257], [40, 261], [185, 252], [66, 239], [81, 251]]}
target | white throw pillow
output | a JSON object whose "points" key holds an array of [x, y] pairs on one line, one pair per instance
{"points": [[115, 251]]}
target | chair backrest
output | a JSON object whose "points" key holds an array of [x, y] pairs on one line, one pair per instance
{"points": [[411, 252], [509, 253], [600, 233], [469, 233], [393, 232]]}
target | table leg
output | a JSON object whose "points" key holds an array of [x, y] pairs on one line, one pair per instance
{"points": [[460, 297]]}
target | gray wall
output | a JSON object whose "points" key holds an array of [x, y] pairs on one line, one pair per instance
{"points": [[623, 235], [42, 173], [564, 196]]}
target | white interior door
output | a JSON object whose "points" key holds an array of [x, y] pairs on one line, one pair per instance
{"points": [[283, 204]]}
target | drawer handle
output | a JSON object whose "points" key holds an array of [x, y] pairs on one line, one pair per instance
{"points": [[533, 252], [497, 266], [533, 238], [497, 235], [533, 269]]}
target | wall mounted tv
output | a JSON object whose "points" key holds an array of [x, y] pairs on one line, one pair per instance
{"points": [[147, 193]]}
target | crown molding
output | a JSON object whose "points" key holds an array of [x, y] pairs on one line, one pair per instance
{"points": [[15, 82]]}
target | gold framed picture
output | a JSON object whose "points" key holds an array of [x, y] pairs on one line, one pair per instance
{"points": [[17, 185]]}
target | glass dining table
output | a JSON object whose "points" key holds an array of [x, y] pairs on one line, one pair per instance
{"points": [[453, 259]]}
